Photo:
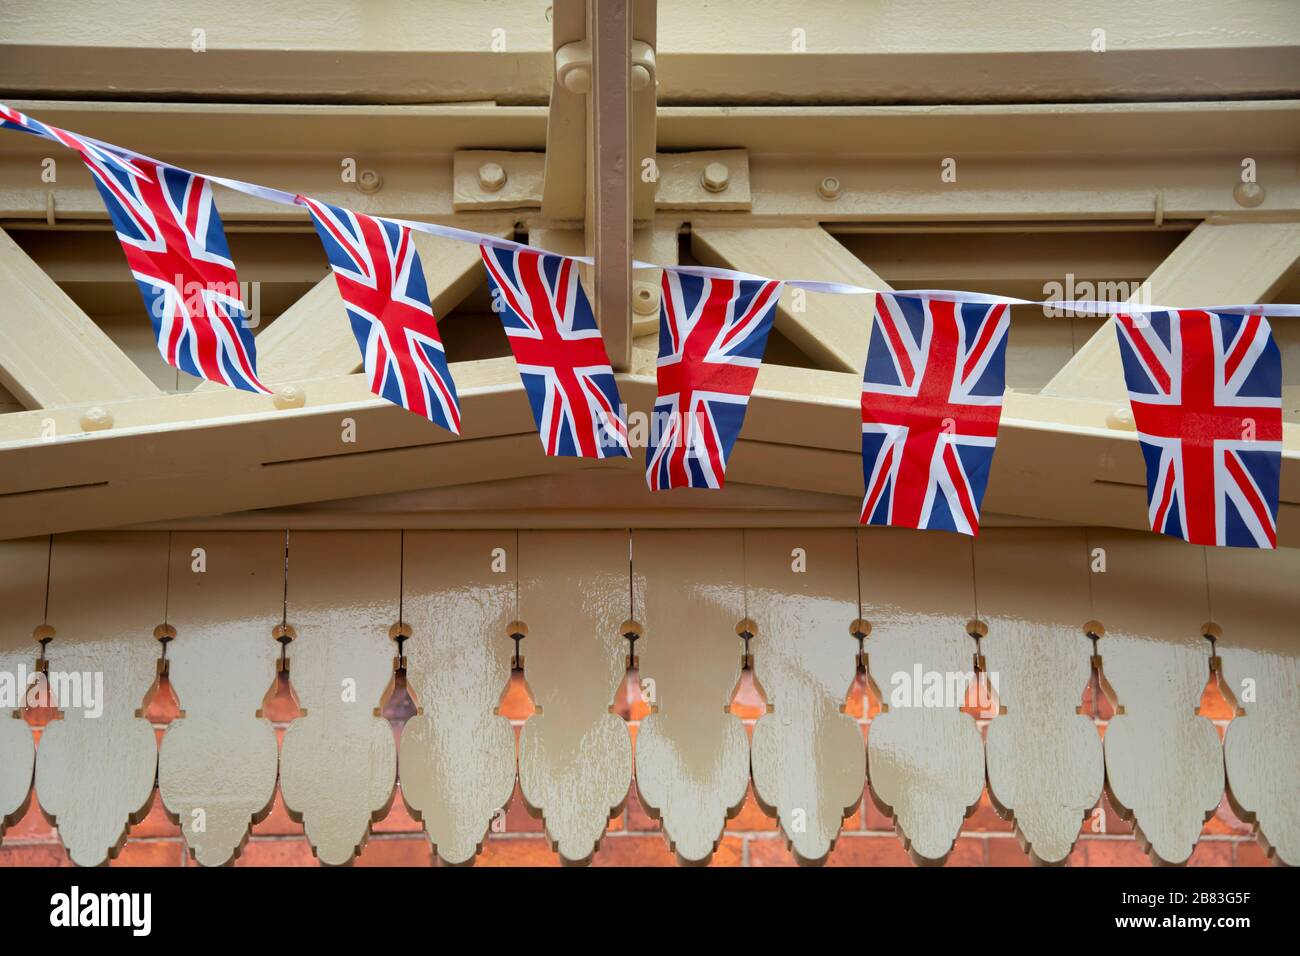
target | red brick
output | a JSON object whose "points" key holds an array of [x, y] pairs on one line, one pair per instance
{"points": [[1225, 822], [985, 819], [291, 852], [405, 850], [853, 849], [968, 851], [278, 821], [631, 850], [155, 823], [637, 819], [33, 827], [769, 851], [399, 819], [151, 853], [33, 854], [1110, 820], [1005, 851], [1212, 853], [1097, 852], [518, 817], [751, 817], [874, 818], [1250, 853], [518, 851]]}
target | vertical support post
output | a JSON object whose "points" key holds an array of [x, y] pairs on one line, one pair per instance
{"points": [[609, 198]]}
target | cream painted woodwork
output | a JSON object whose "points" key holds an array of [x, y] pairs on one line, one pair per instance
{"points": [[564, 187], [1044, 758], [806, 754], [785, 51], [692, 753], [1057, 458], [832, 329], [925, 757], [1254, 597], [96, 764], [51, 353], [457, 755], [1217, 264], [23, 573], [313, 338], [1164, 762], [575, 756], [218, 760], [338, 761]]}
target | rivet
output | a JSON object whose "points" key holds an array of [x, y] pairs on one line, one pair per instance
{"points": [[715, 177], [96, 419], [645, 298], [369, 181], [577, 79], [291, 396], [1121, 419], [1248, 195], [829, 188], [491, 177]]}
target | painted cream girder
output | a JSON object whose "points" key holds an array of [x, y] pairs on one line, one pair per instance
{"points": [[212, 451], [99, 445]]}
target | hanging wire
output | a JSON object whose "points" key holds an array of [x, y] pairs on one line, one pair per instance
{"points": [[857, 564], [401, 578], [744, 575], [167, 587], [284, 607], [49, 571], [1209, 602]]}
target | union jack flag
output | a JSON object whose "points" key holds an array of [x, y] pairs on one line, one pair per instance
{"points": [[175, 245], [1206, 392], [379, 275], [559, 351], [712, 333], [931, 400]]}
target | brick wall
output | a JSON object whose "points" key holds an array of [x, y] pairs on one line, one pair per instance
{"points": [[634, 838]]}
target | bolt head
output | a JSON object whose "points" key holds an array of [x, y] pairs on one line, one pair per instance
{"points": [[1248, 195], [829, 188], [491, 177], [577, 79], [369, 181], [645, 298], [1121, 419], [291, 396], [715, 177], [96, 419]]}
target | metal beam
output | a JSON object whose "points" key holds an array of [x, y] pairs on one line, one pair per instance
{"points": [[1215, 264], [831, 329], [780, 51], [213, 452], [313, 337], [51, 353], [609, 189]]}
